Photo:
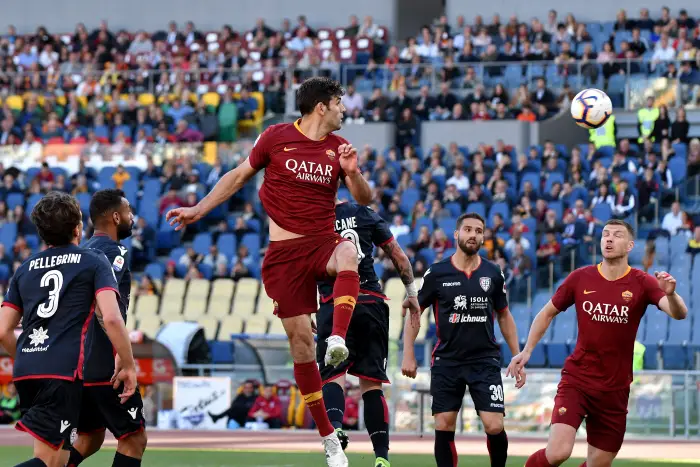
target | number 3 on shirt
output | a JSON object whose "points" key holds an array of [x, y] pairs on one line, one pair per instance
{"points": [[53, 279], [497, 392], [355, 239]]}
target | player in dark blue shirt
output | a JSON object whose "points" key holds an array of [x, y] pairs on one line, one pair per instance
{"points": [[368, 336], [467, 294], [55, 294], [113, 220]]}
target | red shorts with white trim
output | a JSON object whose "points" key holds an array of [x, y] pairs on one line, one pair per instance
{"points": [[50, 409], [291, 268], [605, 413]]}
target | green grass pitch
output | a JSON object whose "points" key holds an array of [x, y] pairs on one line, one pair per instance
{"points": [[227, 458]]}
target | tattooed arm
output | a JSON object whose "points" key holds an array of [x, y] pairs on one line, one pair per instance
{"points": [[401, 262]]}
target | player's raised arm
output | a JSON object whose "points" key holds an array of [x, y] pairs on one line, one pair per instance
{"points": [[403, 267], [671, 303], [226, 187], [356, 183]]}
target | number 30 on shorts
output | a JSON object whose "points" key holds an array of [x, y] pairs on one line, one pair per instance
{"points": [[497, 392]]}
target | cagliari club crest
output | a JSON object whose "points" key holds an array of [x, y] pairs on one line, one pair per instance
{"points": [[485, 283]]}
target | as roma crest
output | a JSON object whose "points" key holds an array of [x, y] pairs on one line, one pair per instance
{"points": [[331, 154]]}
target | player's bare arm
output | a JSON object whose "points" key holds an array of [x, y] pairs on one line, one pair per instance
{"points": [[356, 183], [539, 327], [9, 320], [510, 334], [107, 310], [672, 304], [403, 267], [409, 365], [229, 184]]}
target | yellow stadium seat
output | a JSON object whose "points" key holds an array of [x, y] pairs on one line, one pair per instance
{"points": [[83, 101], [171, 301], [256, 324], [230, 325], [146, 305], [15, 102], [265, 304], [150, 326], [211, 98], [256, 122], [276, 327], [147, 99], [246, 296], [210, 325], [196, 300], [220, 298], [211, 152], [61, 100]]}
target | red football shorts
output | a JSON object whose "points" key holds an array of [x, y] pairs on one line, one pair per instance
{"points": [[291, 268], [605, 413]]}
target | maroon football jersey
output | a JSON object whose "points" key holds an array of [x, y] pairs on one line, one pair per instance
{"points": [[301, 178], [608, 315]]}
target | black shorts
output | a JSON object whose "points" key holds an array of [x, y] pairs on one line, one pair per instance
{"points": [[367, 340], [101, 409], [50, 409], [448, 385]]}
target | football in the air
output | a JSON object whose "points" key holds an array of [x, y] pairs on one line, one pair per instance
{"points": [[591, 108]]}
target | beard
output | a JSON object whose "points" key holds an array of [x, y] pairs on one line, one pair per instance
{"points": [[124, 230], [468, 249]]}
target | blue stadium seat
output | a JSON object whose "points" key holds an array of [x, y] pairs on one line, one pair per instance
{"points": [[151, 188], [558, 207], [478, 208], [409, 198], [206, 270], [32, 201], [448, 225], [455, 209], [557, 352], [131, 190], [657, 328], [678, 244], [663, 250], [404, 240], [32, 242], [201, 243], [499, 208], [8, 234], [533, 178], [252, 242], [222, 351], [14, 199], [423, 221], [104, 178], [155, 270], [226, 243], [679, 168], [176, 253], [538, 359]]}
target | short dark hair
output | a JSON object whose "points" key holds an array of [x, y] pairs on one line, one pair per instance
{"points": [[469, 215], [626, 225], [105, 202], [56, 216], [317, 90]]}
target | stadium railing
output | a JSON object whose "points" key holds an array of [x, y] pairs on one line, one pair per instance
{"points": [[662, 403]]}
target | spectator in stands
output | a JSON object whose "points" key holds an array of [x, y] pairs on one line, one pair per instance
{"points": [[521, 267], [603, 196], [672, 220], [147, 286], [267, 408], [120, 176], [351, 416], [189, 258], [649, 255], [399, 227], [548, 250], [693, 159], [662, 125], [193, 272], [439, 241], [186, 134], [516, 240], [406, 128], [694, 243], [352, 100], [625, 201], [214, 258], [663, 52], [24, 225], [240, 406], [649, 191], [45, 177], [9, 405], [680, 127], [169, 200], [492, 244]]}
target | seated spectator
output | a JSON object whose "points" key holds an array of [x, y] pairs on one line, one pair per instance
{"points": [[694, 243], [189, 258], [492, 244], [9, 405], [439, 241], [521, 266], [352, 100], [649, 192], [240, 406], [267, 408], [516, 225], [399, 227], [171, 199], [516, 240], [193, 273], [214, 257], [45, 177], [624, 201], [120, 176], [351, 416], [185, 134], [147, 286], [673, 220], [603, 196], [549, 249]]}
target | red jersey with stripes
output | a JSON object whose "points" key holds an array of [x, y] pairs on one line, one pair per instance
{"points": [[301, 178], [464, 307], [55, 291], [608, 314]]}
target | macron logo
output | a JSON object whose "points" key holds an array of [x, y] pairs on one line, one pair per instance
{"points": [[64, 425], [133, 412]]}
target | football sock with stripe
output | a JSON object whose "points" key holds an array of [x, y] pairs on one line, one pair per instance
{"points": [[377, 421], [36, 462], [345, 292], [538, 459], [120, 460], [308, 380], [334, 398], [498, 448], [75, 458], [445, 450]]}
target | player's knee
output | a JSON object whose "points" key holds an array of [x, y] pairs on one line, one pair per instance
{"points": [[301, 343], [133, 445], [493, 426], [559, 453], [89, 444], [346, 257], [445, 423]]}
